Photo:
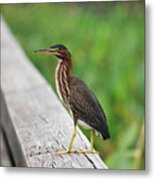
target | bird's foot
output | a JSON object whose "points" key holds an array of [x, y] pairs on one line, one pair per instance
{"points": [[77, 152], [88, 151], [66, 152]]}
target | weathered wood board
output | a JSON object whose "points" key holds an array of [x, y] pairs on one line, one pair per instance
{"points": [[5, 158], [34, 120]]}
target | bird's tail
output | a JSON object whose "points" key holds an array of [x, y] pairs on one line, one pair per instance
{"points": [[105, 136], [105, 133]]}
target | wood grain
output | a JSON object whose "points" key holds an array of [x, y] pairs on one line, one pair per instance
{"points": [[34, 120]]}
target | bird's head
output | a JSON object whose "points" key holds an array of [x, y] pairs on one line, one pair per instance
{"points": [[59, 51]]}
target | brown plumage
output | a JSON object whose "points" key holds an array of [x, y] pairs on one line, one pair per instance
{"points": [[86, 107]]}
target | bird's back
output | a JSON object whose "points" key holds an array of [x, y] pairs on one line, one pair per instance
{"points": [[85, 107]]}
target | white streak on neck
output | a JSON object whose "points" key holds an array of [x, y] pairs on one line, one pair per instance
{"points": [[56, 80]]}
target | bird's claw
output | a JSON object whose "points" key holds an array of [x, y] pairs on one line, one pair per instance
{"points": [[88, 151], [77, 152], [66, 152]]}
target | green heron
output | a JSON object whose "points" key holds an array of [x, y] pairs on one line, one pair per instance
{"points": [[77, 97]]}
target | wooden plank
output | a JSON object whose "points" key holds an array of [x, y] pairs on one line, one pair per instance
{"points": [[5, 158], [36, 123]]}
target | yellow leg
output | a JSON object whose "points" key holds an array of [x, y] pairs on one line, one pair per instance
{"points": [[72, 139], [91, 150], [92, 139], [70, 145]]}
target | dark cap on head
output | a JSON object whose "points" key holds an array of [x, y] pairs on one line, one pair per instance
{"points": [[59, 46]]}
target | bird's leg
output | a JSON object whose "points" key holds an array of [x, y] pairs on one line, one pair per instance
{"points": [[92, 139], [72, 139], [91, 150], [70, 145]]}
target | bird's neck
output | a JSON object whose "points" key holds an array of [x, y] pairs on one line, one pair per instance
{"points": [[63, 74]]}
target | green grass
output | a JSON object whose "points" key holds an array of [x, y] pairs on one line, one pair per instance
{"points": [[107, 45]]}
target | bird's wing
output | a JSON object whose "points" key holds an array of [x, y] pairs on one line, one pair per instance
{"points": [[86, 107]]}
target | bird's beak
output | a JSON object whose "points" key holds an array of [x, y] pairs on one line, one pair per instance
{"points": [[43, 51], [52, 51]]}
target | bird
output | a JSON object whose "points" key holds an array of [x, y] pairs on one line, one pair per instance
{"points": [[79, 100]]}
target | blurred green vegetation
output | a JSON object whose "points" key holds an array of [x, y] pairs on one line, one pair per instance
{"points": [[106, 40]]}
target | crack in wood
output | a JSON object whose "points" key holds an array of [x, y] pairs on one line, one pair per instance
{"points": [[44, 119], [89, 159]]}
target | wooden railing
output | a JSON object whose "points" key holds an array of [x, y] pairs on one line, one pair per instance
{"points": [[34, 122]]}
